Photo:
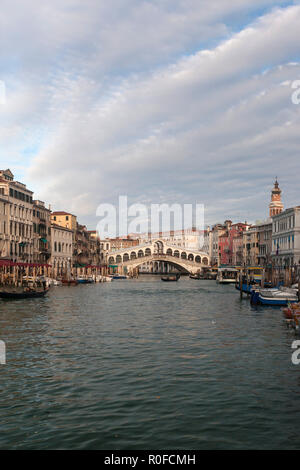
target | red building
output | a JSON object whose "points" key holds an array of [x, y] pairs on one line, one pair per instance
{"points": [[230, 244]]}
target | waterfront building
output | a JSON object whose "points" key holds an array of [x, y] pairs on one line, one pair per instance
{"points": [[41, 232], [94, 248], [286, 237], [250, 247], [230, 241], [61, 250], [237, 249], [17, 208], [65, 219], [208, 242], [81, 247], [4, 226], [264, 238], [217, 231]]}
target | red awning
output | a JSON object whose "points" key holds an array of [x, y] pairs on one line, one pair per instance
{"points": [[8, 262]]}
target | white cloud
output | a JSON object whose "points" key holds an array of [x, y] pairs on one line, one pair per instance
{"points": [[131, 103]]}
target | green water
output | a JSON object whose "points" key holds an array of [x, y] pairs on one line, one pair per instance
{"points": [[147, 365]]}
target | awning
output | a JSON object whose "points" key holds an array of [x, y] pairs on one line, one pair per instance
{"points": [[44, 240]]}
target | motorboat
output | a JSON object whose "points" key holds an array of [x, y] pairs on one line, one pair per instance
{"points": [[276, 297]]}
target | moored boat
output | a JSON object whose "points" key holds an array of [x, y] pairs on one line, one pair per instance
{"points": [[171, 277], [85, 280], [274, 297], [69, 282], [25, 294], [227, 275], [195, 276]]}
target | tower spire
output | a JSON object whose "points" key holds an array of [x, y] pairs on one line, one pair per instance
{"points": [[276, 205]]}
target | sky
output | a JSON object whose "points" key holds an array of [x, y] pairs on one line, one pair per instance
{"points": [[164, 101]]}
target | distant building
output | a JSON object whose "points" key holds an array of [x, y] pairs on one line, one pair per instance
{"points": [[187, 238]]}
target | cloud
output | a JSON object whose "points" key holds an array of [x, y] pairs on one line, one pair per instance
{"points": [[163, 101]]}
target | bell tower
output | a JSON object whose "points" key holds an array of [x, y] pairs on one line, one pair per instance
{"points": [[276, 205]]}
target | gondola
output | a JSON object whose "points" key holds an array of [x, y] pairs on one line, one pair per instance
{"points": [[171, 278], [195, 276], [23, 295]]}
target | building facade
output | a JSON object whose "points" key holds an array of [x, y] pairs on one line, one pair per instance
{"points": [[41, 220], [61, 250], [286, 237], [17, 220]]}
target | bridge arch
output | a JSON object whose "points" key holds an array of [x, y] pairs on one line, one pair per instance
{"points": [[148, 252]]}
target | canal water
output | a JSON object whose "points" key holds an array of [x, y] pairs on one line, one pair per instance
{"points": [[143, 365]]}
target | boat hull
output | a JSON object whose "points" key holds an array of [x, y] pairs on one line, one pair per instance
{"points": [[22, 295], [275, 302]]}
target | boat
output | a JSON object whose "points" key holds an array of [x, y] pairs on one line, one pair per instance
{"points": [[119, 276], [195, 276], [69, 282], [227, 275], [274, 297], [103, 278], [291, 310], [171, 278], [85, 280], [25, 294]]}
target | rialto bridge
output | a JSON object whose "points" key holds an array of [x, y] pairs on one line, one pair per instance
{"points": [[158, 253]]}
